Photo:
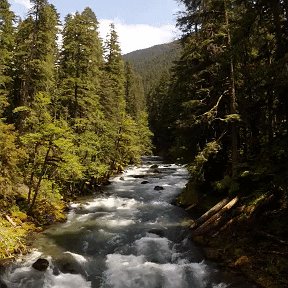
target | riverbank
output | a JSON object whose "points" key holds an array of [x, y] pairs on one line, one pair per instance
{"points": [[247, 237], [17, 227]]}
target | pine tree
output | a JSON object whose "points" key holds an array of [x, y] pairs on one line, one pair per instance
{"points": [[10, 154], [6, 47], [113, 98], [35, 56], [81, 63], [123, 137], [134, 92]]}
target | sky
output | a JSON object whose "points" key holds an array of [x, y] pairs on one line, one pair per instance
{"points": [[139, 23]]}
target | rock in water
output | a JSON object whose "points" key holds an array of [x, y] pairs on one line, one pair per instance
{"points": [[158, 188], [145, 182], [41, 264], [157, 232], [154, 166], [3, 284]]}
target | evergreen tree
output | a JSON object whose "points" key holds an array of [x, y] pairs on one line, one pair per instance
{"points": [[113, 98], [35, 56], [123, 138], [134, 92], [80, 72], [6, 47], [10, 154]]}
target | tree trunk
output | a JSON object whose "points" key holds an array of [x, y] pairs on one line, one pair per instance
{"points": [[232, 92], [43, 171], [210, 213], [216, 219]]}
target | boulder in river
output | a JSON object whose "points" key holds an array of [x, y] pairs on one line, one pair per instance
{"points": [[68, 264], [122, 178], [155, 166], [144, 182], [3, 284], [138, 176], [158, 188], [157, 232], [41, 264]]}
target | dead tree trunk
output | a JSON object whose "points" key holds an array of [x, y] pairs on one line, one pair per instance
{"points": [[214, 221], [210, 213]]}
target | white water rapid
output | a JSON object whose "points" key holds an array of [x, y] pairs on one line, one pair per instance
{"points": [[128, 237]]}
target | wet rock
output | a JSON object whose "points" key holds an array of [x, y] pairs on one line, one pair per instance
{"points": [[156, 231], [56, 271], [69, 265], [156, 171], [122, 178], [3, 284], [106, 182], [138, 176], [41, 264], [144, 182], [158, 188], [154, 166]]}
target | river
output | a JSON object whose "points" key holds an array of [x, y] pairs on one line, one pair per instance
{"points": [[131, 236]]}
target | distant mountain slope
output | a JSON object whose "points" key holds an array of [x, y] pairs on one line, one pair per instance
{"points": [[153, 62]]}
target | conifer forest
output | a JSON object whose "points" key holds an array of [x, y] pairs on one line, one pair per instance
{"points": [[74, 112]]}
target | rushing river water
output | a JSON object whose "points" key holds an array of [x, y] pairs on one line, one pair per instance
{"points": [[130, 237]]}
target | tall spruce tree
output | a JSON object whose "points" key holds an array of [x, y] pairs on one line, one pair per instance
{"points": [[81, 63], [6, 47], [35, 57], [134, 92], [10, 154], [123, 136]]}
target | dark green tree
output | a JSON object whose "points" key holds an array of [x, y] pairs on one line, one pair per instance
{"points": [[35, 56], [134, 92], [81, 64], [7, 31]]}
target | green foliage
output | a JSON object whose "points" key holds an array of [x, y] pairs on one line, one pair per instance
{"points": [[6, 47], [196, 168], [10, 156], [227, 184], [153, 62], [76, 114]]}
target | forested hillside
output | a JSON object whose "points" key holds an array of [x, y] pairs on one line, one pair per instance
{"points": [[154, 62], [224, 111], [70, 116]]}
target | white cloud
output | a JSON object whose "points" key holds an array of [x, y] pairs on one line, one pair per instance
{"points": [[25, 3], [138, 36]]}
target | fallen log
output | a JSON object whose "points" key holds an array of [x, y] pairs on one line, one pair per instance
{"points": [[10, 221], [215, 220], [210, 213]]}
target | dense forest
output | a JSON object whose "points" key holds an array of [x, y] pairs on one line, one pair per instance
{"points": [[153, 63], [72, 113], [224, 110]]}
